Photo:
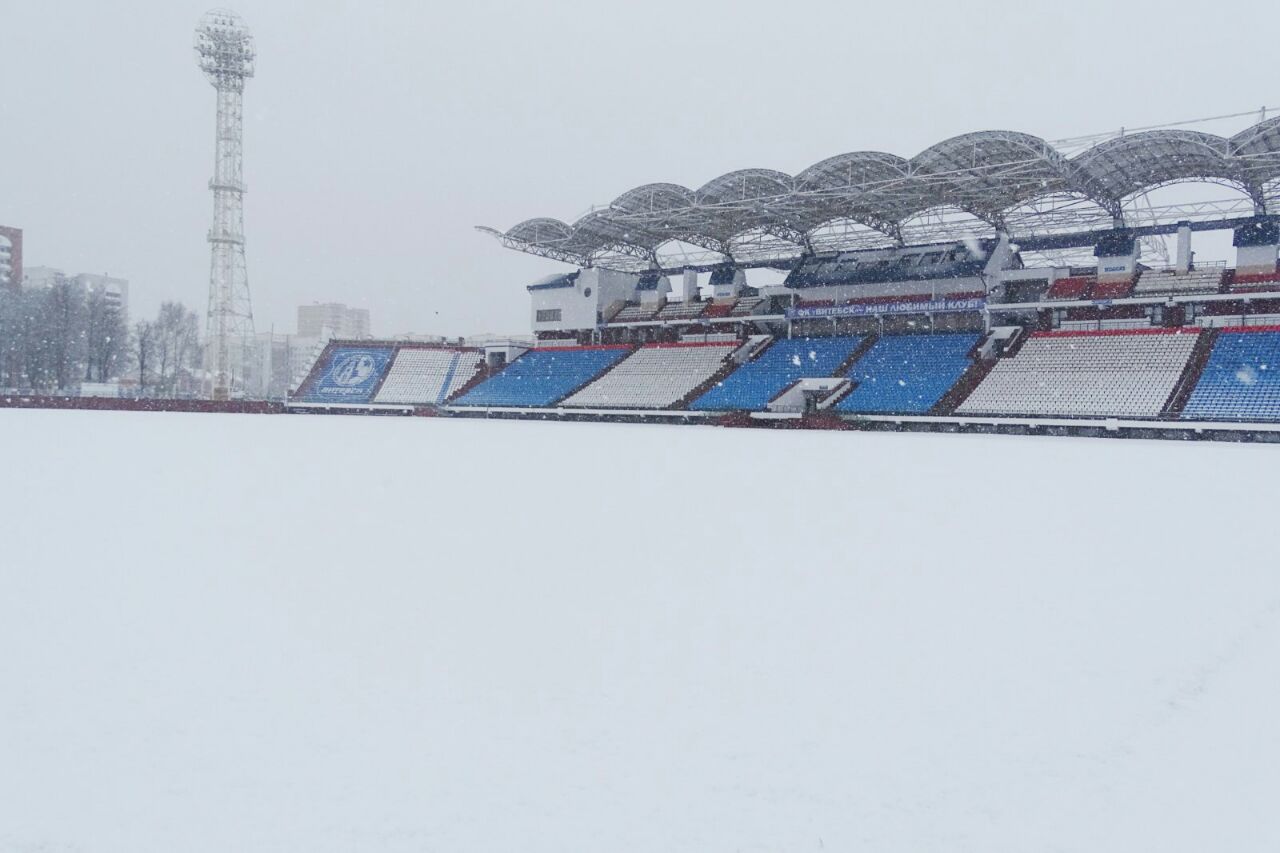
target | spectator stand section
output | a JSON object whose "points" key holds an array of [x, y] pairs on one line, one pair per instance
{"points": [[908, 374], [544, 376], [656, 376], [386, 375], [1241, 379], [1103, 374], [348, 373], [756, 383], [428, 375]]}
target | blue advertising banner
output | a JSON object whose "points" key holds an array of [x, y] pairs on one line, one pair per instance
{"points": [[933, 306], [351, 377]]}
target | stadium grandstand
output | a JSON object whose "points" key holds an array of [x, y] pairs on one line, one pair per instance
{"points": [[995, 281]]}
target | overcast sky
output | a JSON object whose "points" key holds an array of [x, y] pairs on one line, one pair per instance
{"points": [[379, 133]]}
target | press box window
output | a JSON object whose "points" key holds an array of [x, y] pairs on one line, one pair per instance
{"points": [[549, 315]]}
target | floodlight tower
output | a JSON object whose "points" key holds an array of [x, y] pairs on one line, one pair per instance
{"points": [[226, 54]]}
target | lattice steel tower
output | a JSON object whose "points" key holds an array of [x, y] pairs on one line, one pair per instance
{"points": [[225, 51]]}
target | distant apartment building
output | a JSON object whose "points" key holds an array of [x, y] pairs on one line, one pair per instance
{"points": [[116, 290], [10, 256], [333, 320], [278, 363]]}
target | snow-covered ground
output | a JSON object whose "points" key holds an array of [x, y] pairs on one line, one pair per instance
{"points": [[239, 633]]}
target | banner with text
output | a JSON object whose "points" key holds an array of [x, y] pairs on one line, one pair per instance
{"points": [[932, 306]]}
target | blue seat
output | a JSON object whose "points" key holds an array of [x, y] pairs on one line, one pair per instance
{"points": [[908, 374], [543, 377], [1241, 380], [754, 384]]}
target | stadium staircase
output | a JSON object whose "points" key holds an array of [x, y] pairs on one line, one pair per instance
{"points": [[757, 346], [908, 374], [537, 380], [595, 378], [1191, 376], [854, 357], [483, 373], [654, 376], [969, 380]]}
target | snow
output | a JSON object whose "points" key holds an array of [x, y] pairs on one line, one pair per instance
{"points": [[342, 634]]}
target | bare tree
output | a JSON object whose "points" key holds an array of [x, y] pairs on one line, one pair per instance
{"points": [[177, 344], [106, 337], [144, 350]]}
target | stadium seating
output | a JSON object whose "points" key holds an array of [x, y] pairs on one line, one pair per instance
{"points": [[720, 307], [1086, 374], [654, 377], [682, 310], [1241, 380], [543, 377], [1070, 289], [348, 374], [1254, 282], [754, 384], [427, 376], [635, 314], [1162, 282], [908, 374], [1112, 289]]}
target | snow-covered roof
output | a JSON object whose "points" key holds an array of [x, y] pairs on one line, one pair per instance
{"points": [[985, 175]]}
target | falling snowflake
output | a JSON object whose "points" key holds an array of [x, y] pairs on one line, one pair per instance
{"points": [[1246, 375]]}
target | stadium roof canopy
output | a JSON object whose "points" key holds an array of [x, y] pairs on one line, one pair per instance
{"points": [[992, 181]]}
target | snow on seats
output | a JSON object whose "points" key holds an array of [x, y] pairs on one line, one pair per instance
{"points": [[754, 384], [1241, 380], [1129, 373], [544, 377], [428, 375], [682, 310], [1162, 282], [908, 374], [1254, 282], [1069, 289], [654, 377]]}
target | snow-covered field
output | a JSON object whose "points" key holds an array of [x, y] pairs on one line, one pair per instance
{"points": [[252, 634]]}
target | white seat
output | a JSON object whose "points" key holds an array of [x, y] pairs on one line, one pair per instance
{"points": [[427, 376], [1168, 281], [1108, 375], [653, 377]]}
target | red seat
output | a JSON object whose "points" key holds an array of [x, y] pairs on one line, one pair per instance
{"points": [[1254, 282], [1113, 289], [1070, 289]]}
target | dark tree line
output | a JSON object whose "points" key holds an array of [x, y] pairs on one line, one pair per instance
{"points": [[53, 339]]}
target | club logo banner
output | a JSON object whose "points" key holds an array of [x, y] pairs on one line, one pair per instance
{"points": [[352, 376]]}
